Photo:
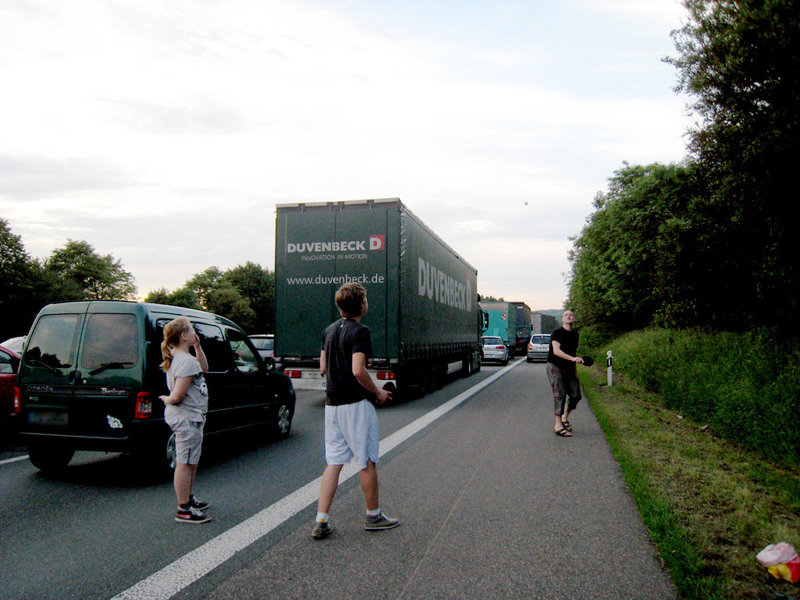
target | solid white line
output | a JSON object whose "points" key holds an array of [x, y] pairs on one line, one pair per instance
{"points": [[7, 461], [192, 566]]}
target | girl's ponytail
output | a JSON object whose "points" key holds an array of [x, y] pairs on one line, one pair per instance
{"points": [[172, 335]]}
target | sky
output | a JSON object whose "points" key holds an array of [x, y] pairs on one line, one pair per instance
{"points": [[164, 133]]}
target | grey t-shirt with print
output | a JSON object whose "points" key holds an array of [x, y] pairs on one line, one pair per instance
{"points": [[195, 404]]}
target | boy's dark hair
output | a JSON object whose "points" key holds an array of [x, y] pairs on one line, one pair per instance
{"points": [[350, 299]]}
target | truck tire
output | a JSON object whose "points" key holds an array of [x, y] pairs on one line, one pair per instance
{"points": [[50, 457]]}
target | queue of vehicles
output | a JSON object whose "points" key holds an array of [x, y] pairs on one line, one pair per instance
{"points": [[89, 377]]}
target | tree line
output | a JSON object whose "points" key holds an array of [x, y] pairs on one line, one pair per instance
{"points": [[244, 294], [711, 242]]}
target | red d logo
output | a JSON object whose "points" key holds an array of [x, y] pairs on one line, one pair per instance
{"points": [[377, 242]]}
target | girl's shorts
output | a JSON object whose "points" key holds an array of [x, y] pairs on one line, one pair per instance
{"points": [[188, 440]]}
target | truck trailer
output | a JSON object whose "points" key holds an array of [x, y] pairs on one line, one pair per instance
{"points": [[423, 310], [502, 322], [523, 330]]}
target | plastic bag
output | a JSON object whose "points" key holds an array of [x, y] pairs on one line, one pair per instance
{"points": [[781, 560]]}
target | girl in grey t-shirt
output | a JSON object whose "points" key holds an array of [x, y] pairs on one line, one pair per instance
{"points": [[185, 410]]}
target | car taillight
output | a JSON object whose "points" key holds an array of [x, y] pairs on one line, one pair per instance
{"points": [[386, 375], [144, 406], [293, 374], [17, 408], [530, 346], [500, 348]]}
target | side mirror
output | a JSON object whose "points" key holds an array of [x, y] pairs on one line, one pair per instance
{"points": [[269, 362]]}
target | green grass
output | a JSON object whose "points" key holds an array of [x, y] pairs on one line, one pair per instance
{"points": [[710, 504], [745, 386]]}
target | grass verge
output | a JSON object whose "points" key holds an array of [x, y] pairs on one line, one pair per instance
{"points": [[710, 505]]}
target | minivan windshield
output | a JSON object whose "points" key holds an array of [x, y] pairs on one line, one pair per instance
{"points": [[540, 339], [54, 342], [111, 341]]}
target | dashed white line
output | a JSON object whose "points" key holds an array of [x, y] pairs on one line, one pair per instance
{"points": [[192, 566], [7, 461]]}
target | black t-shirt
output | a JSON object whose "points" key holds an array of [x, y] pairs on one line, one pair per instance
{"points": [[340, 341], [568, 340]]}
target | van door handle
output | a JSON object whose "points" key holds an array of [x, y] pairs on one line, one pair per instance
{"points": [[74, 376]]}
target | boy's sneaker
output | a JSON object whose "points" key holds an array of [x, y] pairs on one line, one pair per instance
{"points": [[381, 522], [198, 504], [191, 515], [321, 530]]}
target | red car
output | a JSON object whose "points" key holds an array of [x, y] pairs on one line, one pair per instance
{"points": [[9, 362]]}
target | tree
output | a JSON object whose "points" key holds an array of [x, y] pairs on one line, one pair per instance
{"points": [[229, 303], [20, 279], [635, 263], [181, 297], [741, 60], [257, 285], [82, 274], [203, 284]]}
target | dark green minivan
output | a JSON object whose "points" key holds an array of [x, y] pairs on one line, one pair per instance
{"points": [[90, 379]]}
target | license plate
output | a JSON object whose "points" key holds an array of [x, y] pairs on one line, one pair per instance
{"points": [[47, 417]]}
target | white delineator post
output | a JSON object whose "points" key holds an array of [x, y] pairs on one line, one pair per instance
{"points": [[609, 369]]}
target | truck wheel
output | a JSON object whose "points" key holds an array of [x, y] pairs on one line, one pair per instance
{"points": [[283, 422], [48, 457]]}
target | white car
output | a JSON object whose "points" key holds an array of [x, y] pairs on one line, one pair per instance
{"points": [[264, 343], [14, 344], [494, 348], [538, 346]]}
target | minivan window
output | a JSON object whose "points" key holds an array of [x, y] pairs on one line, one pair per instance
{"points": [[263, 343], [5, 364], [54, 342], [243, 357], [215, 347], [540, 339], [111, 340]]}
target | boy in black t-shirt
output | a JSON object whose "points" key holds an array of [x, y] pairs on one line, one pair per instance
{"points": [[351, 423], [561, 361]]}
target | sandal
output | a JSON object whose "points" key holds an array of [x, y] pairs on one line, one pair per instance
{"points": [[563, 432], [567, 426]]}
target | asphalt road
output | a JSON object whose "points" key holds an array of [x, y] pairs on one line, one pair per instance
{"points": [[492, 503]]}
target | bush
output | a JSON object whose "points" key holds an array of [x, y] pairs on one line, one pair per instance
{"points": [[745, 386]]}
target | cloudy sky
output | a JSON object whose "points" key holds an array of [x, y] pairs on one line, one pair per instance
{"points": [[164, 133]]}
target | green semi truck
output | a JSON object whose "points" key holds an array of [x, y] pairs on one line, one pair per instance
{"points": [[502, 318], [423, 309]]}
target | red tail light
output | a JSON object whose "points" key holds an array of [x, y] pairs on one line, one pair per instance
{"points": [[17, 408], [500, 348], [144, 406], [386, 376], [293, 374], [530, 346]]}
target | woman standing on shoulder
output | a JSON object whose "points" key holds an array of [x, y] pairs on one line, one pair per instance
{"points": [[185, 411]]}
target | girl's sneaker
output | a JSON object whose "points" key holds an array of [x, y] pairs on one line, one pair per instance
{"points": [[198, 504], [191, 515]]}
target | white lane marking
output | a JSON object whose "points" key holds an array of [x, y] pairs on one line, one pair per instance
{"points": [[192, 566], [7, 461]]}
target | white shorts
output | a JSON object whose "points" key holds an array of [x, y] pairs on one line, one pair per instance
{"points": [[351, 432]]}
